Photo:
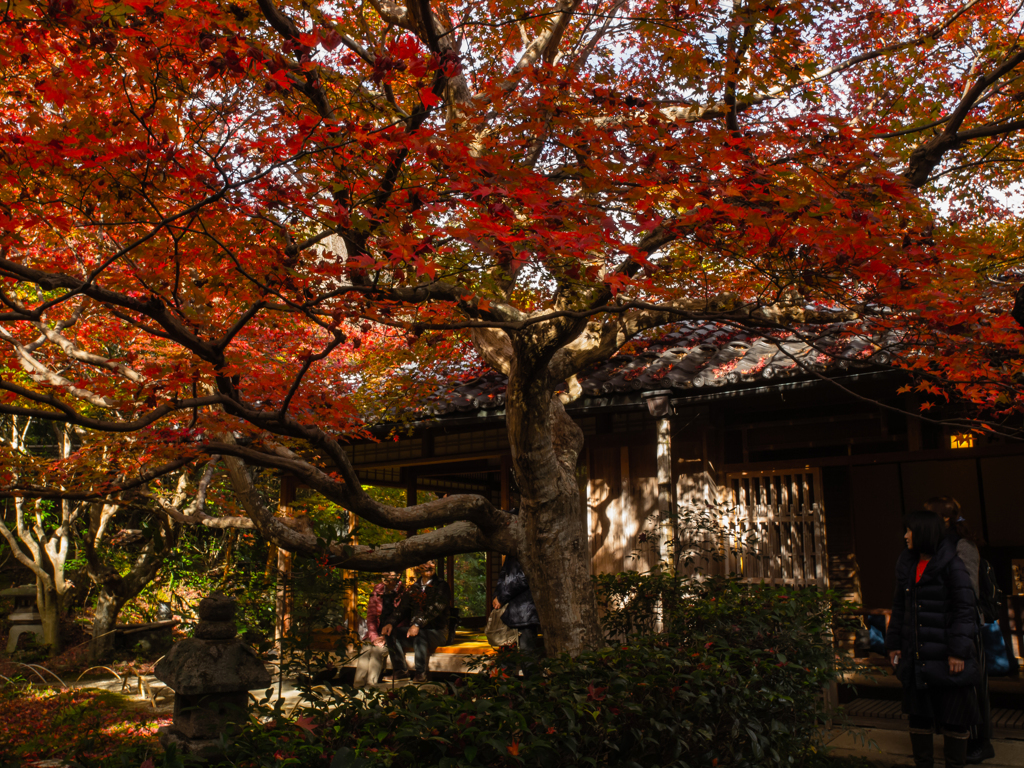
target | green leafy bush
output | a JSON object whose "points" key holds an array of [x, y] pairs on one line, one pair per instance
{"points": [[736, 679], [795, 620]]}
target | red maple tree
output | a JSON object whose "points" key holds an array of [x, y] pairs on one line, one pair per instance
{"points": [[219, 221]]}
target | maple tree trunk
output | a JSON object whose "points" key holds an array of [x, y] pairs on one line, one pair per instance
{"points": [[108, 607], [48, 602], [115, 590], [554, 551], [555, 556]]}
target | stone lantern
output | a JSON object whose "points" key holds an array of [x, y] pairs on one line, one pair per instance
{"points": [[211, 675], [25, 617]]}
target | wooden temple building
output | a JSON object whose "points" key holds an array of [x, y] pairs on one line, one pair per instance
{"points": [[782, 464]]}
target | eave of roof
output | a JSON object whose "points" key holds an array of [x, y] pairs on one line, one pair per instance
{"points": [[696, 362]]}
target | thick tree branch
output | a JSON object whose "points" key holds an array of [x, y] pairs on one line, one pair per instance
{"points": [[205, 520], [546, 43], [75, 352], [458, 537], [393, 13], [494, 346], [59, 327], [152, 308], [20, 556], [927, 155], [454, 539], [43, 375], [194, 513], [426, 515], [311, 86], [988, 131]]}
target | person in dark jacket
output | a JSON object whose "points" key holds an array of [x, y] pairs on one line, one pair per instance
{"points": [[930, 640], [419, 620], [513, 591], [979, 746]]}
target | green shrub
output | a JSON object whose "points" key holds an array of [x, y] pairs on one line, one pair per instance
{"points": [[735, 680], [795, 621]]}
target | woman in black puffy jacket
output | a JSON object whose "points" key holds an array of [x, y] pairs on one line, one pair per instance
{"points": [[959, 533], [931, 640], [513, 591]]}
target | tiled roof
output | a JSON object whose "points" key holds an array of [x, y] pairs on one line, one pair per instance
{"points": [[690, 356]]}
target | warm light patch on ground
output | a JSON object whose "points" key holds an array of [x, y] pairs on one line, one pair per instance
{"points": [[82, 725]]}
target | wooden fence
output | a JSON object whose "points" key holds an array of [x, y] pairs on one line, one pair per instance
{"points": [[763, 526]]}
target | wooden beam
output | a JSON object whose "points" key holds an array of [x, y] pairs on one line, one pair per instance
{"points": [[469, 467], [426, 461], [896, 457]]}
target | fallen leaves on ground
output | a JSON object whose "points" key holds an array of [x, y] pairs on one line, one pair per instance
{"points": [[37, 724]]}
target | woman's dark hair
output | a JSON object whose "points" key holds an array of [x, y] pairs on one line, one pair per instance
{"points": [[927, 529], [949, 509]]}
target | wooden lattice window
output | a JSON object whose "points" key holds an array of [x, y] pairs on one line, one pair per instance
{"points": [[774, 529], [761, 526]]}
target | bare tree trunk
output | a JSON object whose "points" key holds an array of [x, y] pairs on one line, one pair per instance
{"points": [[108, 607], [45, 557], [554, 549], [556, 557], [115, 589], [34, 546], [48, 602]]}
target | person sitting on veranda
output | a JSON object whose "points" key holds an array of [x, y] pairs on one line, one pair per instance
{"points": [[419, 621], [385, 595]]}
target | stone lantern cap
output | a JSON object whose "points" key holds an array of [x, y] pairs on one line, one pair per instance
{"points": [[24, 604], [27, 590], [216, 608]]}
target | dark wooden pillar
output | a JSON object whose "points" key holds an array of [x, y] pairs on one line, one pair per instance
{"points": [[410, 501], [494, 558], [451, 588], [283, 597], [351, 591]]}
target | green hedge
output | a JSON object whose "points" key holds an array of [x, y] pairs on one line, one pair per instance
{"points": [[733, 678]]}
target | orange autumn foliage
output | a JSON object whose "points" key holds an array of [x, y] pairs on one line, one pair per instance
{"points": [[278, 222]]}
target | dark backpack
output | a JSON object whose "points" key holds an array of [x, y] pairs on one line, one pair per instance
{"points": [[990, 597]]}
